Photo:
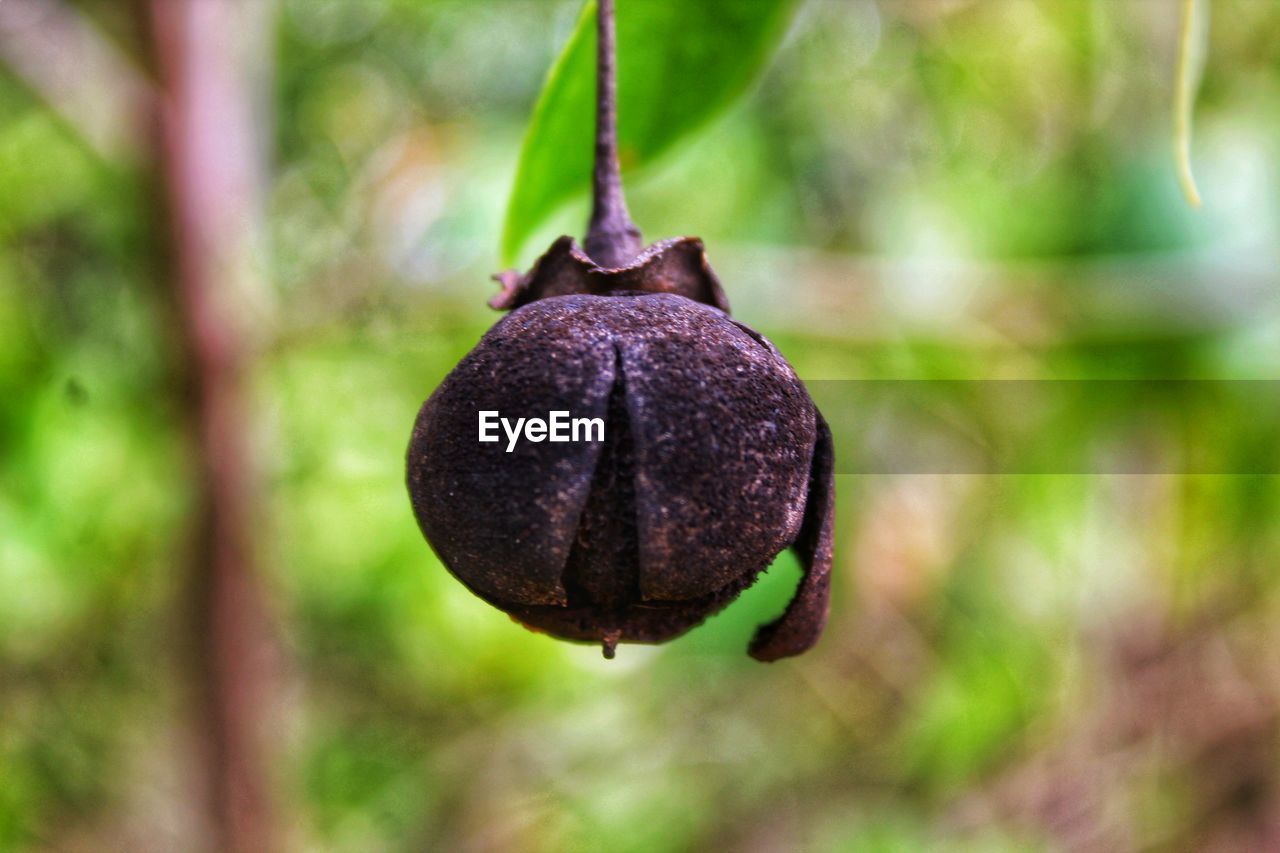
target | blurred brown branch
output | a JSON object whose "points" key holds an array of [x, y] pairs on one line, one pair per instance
{"points": [[77, 71], [207, 149]]}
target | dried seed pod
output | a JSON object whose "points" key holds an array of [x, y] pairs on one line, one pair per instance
{"points": [[713, 459]]}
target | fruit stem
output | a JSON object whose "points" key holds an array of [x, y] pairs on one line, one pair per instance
{"points": [[613, 240]]}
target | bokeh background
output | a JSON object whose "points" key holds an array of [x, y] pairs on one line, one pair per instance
{"points": [[913, 189]]}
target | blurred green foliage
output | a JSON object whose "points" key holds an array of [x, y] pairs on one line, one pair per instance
{"points": [[915, 189]]}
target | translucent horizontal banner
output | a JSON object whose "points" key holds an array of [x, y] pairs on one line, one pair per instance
{"points": [[1052, 426]]}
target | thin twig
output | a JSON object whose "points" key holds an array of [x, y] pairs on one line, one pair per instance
{"points": [[77, 71], [1184, 104]]}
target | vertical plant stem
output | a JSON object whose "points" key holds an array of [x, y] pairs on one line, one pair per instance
{"points": [[613, 240], [204, 147], [1184, 103]]}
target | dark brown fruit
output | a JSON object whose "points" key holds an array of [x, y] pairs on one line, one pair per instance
{"points": [[714, 458]]}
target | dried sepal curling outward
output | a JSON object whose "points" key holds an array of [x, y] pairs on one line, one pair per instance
{"points": [[713, 458], [672, 266]]}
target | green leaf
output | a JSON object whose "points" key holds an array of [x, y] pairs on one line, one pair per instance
{"points": [[679, 66]]}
